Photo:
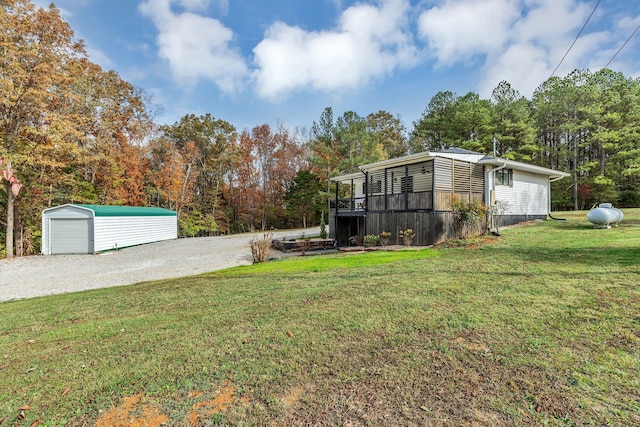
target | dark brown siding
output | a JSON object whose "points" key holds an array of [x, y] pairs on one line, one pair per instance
{"points": [[418, 196], [429, 227]]}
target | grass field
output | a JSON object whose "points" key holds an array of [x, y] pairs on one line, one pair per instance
{"points": [[540, 326]]}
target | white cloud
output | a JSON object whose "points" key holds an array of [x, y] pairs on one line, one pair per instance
{"points": [[196, 46], [194, 5], [626, 61], [523, 65], [539, 39], [369, 42], [518, 41], [460, 29], [203, 5]]}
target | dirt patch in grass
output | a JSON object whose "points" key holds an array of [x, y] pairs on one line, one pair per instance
{"points": [[137, 411], [292, 397], [207, 409], [481, 242], [134, 411], [473, 346]]}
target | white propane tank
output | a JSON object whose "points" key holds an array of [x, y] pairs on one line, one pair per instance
{"points": [[605, 215]]}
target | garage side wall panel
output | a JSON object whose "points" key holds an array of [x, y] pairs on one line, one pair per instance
{"points": [[122, 231]]}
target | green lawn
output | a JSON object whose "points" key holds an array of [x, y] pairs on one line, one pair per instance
{"points": [[540, 326]]}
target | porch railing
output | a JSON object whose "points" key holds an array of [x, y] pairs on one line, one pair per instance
{"points": [[356, 204]]}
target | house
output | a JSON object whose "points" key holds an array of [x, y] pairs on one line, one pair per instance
{"points": [[416, 192], [87, 229]]}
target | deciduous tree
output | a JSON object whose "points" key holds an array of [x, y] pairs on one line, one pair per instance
{"points": [[216, 142]]}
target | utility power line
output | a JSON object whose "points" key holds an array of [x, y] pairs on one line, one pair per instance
{"points": [[623, 45], [576, 39]]}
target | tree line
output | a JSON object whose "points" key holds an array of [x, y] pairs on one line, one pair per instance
{"points": [[74, 133]]}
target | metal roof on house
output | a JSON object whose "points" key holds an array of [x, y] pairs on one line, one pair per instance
{"points": [[106, 210], [456, 150], [512, 164], [356, 176], [452, 153]]}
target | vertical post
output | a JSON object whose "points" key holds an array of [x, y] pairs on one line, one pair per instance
{"points": [[453, 182], [386, 195], [366, 192], [366, 201], [433, 185], [335, 219], [352, 202], [406, 188]]}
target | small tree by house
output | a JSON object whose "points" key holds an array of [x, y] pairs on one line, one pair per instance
{"points": [[497, 213], [323, 227]]}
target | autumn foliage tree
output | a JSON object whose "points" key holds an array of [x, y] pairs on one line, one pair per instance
{"points": [[172, 174], [37, 49], [74, 131], [267, 164], [208, 146]]}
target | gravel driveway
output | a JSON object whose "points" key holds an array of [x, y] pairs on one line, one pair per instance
{"points": [[33, 276]]}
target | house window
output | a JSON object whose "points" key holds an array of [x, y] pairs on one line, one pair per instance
{"points": [[406, 184], [504, 177]]}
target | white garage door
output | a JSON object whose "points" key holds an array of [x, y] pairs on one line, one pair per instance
{"points": [[70, 236]]}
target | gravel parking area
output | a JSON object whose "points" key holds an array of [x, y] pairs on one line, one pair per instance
{"points": [[28, 277]]}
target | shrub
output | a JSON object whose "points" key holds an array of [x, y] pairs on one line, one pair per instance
{"points": [[371, 240], [260, 247], [469, 217], [356, 240]]}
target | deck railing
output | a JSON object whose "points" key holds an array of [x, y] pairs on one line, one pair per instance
{"points": [[356, 204]]}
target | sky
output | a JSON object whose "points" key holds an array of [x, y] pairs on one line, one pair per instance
{"points": [[254, 62]]}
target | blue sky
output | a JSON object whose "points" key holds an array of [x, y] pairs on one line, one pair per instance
{"points": [[251, 62]]}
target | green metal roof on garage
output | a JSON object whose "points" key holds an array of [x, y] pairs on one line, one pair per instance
{"points": [[106, 210]]}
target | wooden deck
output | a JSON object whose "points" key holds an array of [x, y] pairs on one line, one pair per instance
{"points": [[300, 245]]}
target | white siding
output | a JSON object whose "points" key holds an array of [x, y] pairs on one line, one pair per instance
{"points": [[529, 194], [122, 231]]}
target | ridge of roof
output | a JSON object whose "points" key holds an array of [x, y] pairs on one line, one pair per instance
{"points": [[456, 150]]}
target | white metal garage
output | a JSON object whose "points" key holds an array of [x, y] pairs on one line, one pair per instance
{"points": [[86, 229]]}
